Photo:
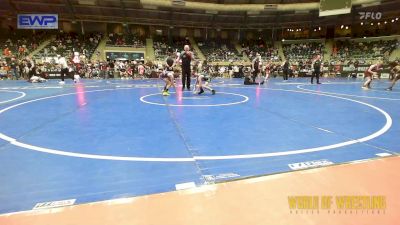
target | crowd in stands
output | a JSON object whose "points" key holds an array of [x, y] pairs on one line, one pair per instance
{"points": [[125, 40], [162, 45], [66, 44], [13, 68], [302, 51], [301, 55], [21, 45], [218, 50], [16, 68], [125, 69], [15, 63], [267, 51], [363, 51]]}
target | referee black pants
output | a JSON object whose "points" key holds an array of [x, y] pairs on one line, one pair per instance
{"points": [[186, 78], [255, 75], [315, 74], [285, 74]]}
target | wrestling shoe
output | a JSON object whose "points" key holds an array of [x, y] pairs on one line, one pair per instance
{"points": [[388, 89], [165, 93], [201, 91], [213, 92]]}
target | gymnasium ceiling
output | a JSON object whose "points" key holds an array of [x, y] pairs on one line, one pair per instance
{"points": [[137, 12]]}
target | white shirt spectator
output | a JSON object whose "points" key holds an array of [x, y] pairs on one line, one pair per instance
{"points": [[63, 63]]}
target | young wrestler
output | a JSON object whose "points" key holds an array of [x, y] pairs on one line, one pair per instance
{"points": [[202, 82], [396, 76], [141, 70], [248, 79], [267, 70], [36, 77], [77, 78], [370, 73], [168, 73], [129, 72]]}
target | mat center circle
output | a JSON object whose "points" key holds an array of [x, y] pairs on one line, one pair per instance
{"points": [[188, 99]]}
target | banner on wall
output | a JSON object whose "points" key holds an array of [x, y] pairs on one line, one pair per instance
{"points": [[37, 21], [138, 56]]}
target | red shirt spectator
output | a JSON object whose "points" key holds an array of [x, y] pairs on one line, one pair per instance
{"points": [[6, 52], [21, 50]]}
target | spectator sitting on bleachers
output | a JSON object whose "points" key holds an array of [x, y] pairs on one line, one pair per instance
{"points": [[371, 50], [302, 51], [66, 44], [218, 50], [267, 51], [161, 46], [128, 40], [20, 45]]}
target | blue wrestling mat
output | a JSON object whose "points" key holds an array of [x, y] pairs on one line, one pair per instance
{"points": [[100, 140]]}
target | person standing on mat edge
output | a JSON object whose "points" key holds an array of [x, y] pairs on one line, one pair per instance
{"points": [[285, 68], [186, 57], [256, 68], [317, 66], [64, 68]]}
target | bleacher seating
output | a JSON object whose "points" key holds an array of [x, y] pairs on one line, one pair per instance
{"points": [[161, 46], [266, 50], [371, 50], [20, 45], [218, 50], [125, 40], [302, 51], [66, 44]]}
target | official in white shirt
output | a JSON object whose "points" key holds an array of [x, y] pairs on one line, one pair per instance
{"points": [[62, 62]]}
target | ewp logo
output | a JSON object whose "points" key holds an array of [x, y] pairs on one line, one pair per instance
{"points": [[38, 21], [372, 15]]}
